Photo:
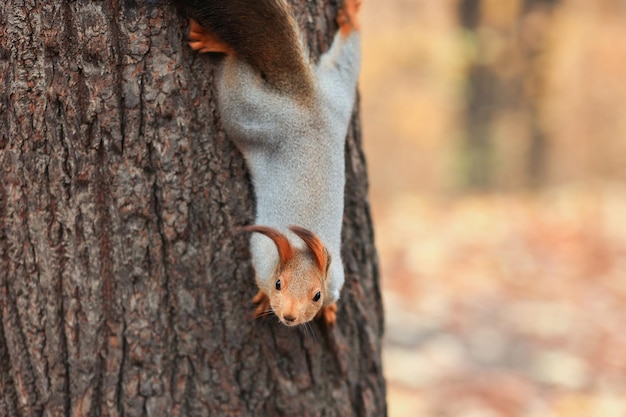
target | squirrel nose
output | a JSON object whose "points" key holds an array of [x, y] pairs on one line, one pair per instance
{"points": [[290, 319]]}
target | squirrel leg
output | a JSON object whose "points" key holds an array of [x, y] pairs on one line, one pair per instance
{"points": [[328, 314], [348, 18], [263, 302], [201, 40]]}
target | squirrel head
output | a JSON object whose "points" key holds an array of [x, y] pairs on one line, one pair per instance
{"points": [[298, 286]]}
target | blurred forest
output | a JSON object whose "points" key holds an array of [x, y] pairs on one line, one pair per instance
{"points": [[495, 132]]}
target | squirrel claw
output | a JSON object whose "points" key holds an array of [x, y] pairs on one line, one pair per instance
{"points": [[202, 40], [347, 18], [328, 314], [263, 302]]}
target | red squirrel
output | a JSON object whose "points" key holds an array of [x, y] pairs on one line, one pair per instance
{"points": [[289, 117]]}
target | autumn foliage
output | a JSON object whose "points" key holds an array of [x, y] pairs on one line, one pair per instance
{"points": [[496, 141]]}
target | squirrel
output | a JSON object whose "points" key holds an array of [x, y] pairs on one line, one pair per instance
{"points": [[289, 117]]}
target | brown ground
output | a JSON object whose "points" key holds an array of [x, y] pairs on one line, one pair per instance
{"points": [[506, 306]]}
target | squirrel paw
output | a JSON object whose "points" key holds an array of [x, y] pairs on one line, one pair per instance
{"points": [[202, 40], [347, 18], [264, 307], [328, 314]]}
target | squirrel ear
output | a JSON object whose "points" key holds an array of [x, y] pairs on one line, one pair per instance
{"points": [[285, 250], [315, 245]]}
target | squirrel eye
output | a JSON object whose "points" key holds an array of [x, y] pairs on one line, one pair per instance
{"points": [[278, 285], [317, 296]]}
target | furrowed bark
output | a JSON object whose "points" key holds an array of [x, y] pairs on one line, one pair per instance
{"points": [[125, 283]]}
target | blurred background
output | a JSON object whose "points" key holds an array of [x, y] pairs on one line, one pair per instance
{"points": [[495, 132]]}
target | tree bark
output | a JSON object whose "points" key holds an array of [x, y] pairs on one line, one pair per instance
{"points": [[125, 283]]}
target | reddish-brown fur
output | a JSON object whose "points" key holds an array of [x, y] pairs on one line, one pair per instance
{"points": [[315, 245], [283, 246]]}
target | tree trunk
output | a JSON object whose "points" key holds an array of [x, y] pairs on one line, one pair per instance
{"points": [[125, 283], [512, 83], [481, 94]]}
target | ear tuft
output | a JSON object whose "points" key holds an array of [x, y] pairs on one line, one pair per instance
{"points": [[315, 245], [283, 246]]}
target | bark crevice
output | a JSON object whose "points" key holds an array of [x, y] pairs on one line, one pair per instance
{"points": [[128, 283]]}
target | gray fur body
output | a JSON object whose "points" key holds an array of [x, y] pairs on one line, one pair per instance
{"points": [[294, 150]]}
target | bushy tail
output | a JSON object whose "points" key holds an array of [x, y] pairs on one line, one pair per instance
{"points": [[263, 33]]}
